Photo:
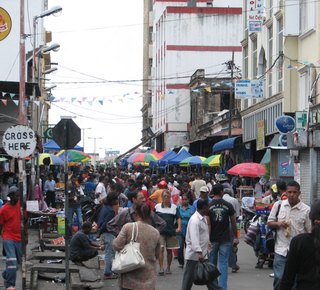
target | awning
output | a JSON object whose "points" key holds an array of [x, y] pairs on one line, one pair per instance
{"points": [[13, 88], [266, 157], [224, 144]]}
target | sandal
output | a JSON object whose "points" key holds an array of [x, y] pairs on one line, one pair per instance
{"points": [[180, 266], [168, 271], [235, 270], [161, 272], [107, 277]]}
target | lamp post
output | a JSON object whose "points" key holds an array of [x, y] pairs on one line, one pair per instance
{"points": [[83, 135], [105, 155], [94, 152]]}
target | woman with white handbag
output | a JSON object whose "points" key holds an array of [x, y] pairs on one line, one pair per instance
{"points": [[132, 237]]}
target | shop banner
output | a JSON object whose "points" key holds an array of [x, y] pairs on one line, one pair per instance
{"points": [[255, 11], [249, 89], [260, 135]]}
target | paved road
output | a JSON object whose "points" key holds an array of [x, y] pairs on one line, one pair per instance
{"points": [[247, 278]]}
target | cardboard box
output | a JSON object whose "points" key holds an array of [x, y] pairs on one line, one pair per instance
{"points": [[61, 229], [61, 221], [101, 262]]}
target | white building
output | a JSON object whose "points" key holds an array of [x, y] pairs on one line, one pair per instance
{"points": [[188, 35]]}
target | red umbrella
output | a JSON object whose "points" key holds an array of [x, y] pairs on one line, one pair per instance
{"points": [[155, 153], [248, 169]]}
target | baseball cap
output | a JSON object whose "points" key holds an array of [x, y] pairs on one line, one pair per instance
{"points": [[274, 188], [204, 189], [13, 189]]}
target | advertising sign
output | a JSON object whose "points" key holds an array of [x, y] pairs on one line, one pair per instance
{"points": [[249, 89], [255, 11], [19, 141], [283, 140], [260, 135], [301, 120], [5, 24], [285, 124]]}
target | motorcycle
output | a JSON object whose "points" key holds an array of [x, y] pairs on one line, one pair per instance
{"points": [[90, 210], [247, 215]]}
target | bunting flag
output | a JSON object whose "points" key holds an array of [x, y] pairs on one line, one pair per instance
{"points": [[80, 102], [131, 99], [162, 97], [89, 102], [269, 72], [41, 98], [217, 85], [126, 94], [229, 85], [48, 103], [136, 93], [208, 89], [280, 69], [120, 100], [37, 103], [73, 99], [305, 62], [12, 95], [16, 102], [171, 92], [83, 99], [110, 101], [62, 99], [51, 99], [101, 102], [196, 90], [94, 98], [4, 101]]}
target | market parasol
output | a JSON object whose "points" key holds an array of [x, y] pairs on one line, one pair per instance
{"points": [[193, 160], [211, 161], [74, 156], [142, 158], [248, 169], [48, 159], [155, 153]]}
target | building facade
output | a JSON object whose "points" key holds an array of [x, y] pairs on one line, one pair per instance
{"points": [[187, 35]]}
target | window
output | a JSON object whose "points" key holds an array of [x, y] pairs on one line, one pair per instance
{"points": [[270, 55], [280, 49], [150, 5], [270, 8], [307, 15], [150, 66], [254, 58], [150, 34]]}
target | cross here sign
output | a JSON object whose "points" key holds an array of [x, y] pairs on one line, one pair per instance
{"points": [[19, 141]]}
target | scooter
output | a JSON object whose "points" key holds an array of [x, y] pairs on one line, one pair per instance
{"points": [[247, 215], [90, 210]]}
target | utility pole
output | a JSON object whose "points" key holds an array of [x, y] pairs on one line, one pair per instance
{"points": [[231, 96]]}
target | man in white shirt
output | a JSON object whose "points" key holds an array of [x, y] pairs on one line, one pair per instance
{"points": [[101, 192], [197, 240], [197, 184], [292, 220]]}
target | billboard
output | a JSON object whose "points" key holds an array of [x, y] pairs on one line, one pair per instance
{"points": [[255, 11], [249, 89]]}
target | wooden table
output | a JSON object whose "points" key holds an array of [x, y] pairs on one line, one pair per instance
{"points": [[50, 215]]}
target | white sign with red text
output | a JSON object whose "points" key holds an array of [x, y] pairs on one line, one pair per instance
{"points": [[255, 18]]}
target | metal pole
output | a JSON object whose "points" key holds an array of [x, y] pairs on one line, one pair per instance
{"points": [[22, 104], [66, 206], [231, 98]]}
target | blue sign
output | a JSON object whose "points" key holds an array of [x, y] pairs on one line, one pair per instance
{"points": [[285, 124], [283, 140]]}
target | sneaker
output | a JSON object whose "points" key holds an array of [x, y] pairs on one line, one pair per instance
{"points": [[271, 275], [11, 288]]}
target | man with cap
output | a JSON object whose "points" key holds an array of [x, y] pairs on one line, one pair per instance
{"points": [[10, 228], [224, 180], [273, 197], [204, 193]]}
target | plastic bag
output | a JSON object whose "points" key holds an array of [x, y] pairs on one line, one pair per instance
{"points": [[205, 273]]}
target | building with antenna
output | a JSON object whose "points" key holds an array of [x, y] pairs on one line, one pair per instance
{"points": [[181, 37]]}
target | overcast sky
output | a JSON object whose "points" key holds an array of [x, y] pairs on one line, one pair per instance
{"points": [[100, 40]]}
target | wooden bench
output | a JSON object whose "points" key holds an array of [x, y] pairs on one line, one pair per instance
{"points": [[55, 268], [47, 256]]}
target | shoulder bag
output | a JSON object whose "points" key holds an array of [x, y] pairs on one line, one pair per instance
{"points": [[130, 257], [271, 236]]}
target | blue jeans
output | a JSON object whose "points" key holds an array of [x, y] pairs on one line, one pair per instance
{"points": [[13, 251], [107, 239], [279, 264], [181, 248], [223, 249], [77, 210]]}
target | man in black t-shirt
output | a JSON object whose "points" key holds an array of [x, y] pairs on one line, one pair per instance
{"points": [[219, 215]]}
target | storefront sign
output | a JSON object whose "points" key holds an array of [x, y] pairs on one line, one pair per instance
{"points": [[301, 120], [249, 89], [285, 124], [19, 141], [283, 140], [5, 24], [260, 135], [255, 12], [285, 167]]}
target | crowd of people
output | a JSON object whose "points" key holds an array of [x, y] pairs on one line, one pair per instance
{"points": [[188, 216]]}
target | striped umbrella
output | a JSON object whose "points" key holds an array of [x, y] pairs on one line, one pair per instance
{"points": [[74, 156], [193, 160], [211, 161]]}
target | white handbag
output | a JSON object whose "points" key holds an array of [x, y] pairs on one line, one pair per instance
{"points": [[130, 257]]}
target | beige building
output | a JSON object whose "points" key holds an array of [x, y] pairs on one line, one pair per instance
{"points": [[284, 55]]}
